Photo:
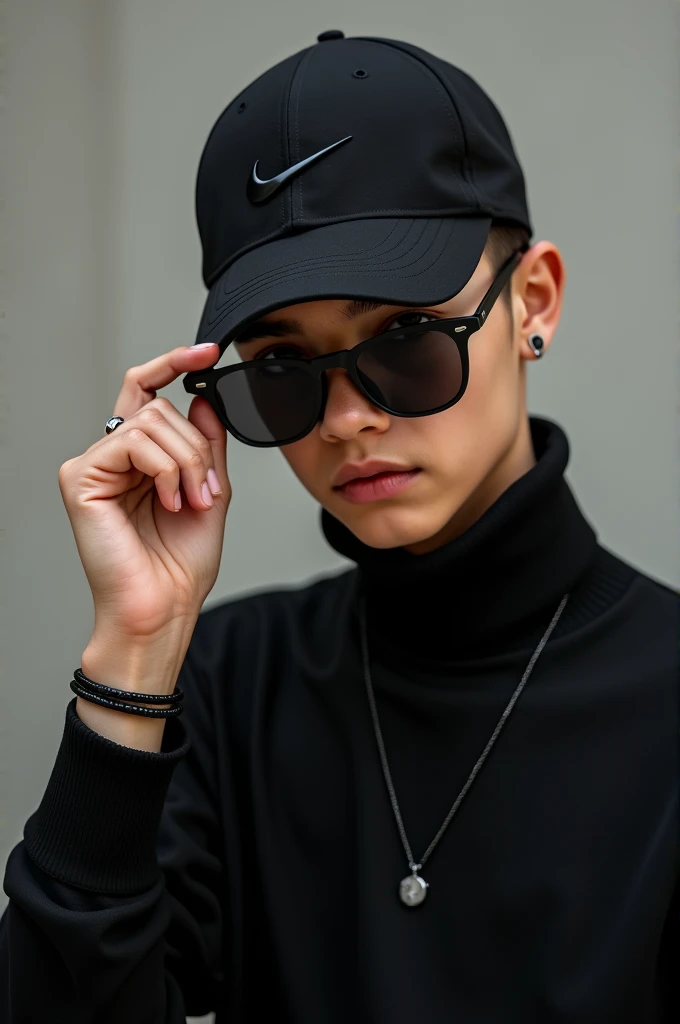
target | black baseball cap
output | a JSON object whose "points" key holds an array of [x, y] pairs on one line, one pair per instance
{"points": [[361, 167]]}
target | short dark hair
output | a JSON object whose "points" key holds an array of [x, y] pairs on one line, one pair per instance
{"points": [[503, 239]]}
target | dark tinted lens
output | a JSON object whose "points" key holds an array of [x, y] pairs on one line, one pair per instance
{"points": [[412, 374], [268, 402]]}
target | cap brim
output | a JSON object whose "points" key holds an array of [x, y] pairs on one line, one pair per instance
{"points": [[410, 260]]}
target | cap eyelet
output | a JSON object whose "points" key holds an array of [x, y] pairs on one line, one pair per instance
{"points": [[242, 106], [360, 73]]}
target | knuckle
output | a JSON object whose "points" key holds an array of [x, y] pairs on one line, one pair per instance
{"points": [[151, 415], [136, 435], [162, 402], [196, 459], [203, 444]]}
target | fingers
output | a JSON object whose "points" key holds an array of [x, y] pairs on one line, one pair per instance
{"points": [[187, 453], [138, 391], [203, 418], [140, 383], [136, 449], [202, 426], [103, 472]]}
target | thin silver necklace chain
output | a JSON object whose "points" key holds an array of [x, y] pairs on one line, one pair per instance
{"points": [[413, 888]]}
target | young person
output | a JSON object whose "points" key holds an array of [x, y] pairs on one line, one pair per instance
{"points": [[441, 785]]}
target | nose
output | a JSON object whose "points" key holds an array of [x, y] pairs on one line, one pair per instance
{"points": [[346, 410]]}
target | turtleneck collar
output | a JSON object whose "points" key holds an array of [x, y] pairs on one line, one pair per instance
{"points": [[492, 589]]}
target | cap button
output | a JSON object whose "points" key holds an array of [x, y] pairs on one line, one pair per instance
{"points": [[333, 33]]}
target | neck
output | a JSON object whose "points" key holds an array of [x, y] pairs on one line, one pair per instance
{"points": [[496, 583]]}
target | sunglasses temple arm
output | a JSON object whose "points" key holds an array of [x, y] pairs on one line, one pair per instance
{"points": [[496, 288]]}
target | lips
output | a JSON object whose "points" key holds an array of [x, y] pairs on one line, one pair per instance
{"points": [[361, 470], [360, 490]]}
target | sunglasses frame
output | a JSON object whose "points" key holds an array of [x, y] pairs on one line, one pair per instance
{"points": [[459, 329]]}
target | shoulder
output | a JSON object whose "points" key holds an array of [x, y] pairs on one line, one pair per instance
{"points": [[643, 584], [644, 617]]}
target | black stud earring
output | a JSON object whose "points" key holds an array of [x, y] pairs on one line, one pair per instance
{"points": [[536, 344]]}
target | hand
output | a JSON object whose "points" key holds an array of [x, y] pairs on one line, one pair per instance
{"points": [[150, 567]]}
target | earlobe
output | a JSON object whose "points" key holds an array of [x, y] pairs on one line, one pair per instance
{"points": [[536, 344]]}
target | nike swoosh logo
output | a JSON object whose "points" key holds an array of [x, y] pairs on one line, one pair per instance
{"points": [[259, 189]]}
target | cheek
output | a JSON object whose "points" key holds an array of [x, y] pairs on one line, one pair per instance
{"points": [[493, 369], [452, 439], [305, 459]]}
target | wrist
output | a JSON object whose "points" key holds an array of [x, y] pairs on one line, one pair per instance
{"points": [[149, 665]]}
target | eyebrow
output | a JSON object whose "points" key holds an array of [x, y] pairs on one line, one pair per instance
{"points": [[280, 328]]}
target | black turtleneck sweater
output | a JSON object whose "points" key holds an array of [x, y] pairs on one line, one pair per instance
{"points": [[251, 867]]}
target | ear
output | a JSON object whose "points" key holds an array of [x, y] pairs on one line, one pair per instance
{"points": [[538, 287]]}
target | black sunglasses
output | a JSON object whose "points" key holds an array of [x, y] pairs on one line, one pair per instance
{"points": [[414, 371]]}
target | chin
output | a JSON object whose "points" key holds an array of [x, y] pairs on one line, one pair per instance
{"points": [[392, 528]]}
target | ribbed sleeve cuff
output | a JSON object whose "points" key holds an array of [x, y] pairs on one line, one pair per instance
{"points": [[97, 824]]}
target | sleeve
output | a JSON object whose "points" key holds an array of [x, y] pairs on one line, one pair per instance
{"points": [[115, 891]]}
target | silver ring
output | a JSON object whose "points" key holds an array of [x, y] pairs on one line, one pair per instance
{"points": [[114, 422]]}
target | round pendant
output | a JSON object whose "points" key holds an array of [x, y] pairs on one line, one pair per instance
{"points": [[412, 890]]}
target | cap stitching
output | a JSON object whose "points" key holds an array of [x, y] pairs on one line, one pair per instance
{"points": [[213, 323], [282, 274], [315, 260], [300, 70], [242, 297], [204, 152], [468, 124], [272, 236], [399, 212], [444, 97], [297, 184], [279, 138], [323, 261], [229, 307]]}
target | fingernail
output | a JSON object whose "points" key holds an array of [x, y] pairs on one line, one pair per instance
{"points": [[207, 496], [213, 481], [205, 344], [178, 501]]}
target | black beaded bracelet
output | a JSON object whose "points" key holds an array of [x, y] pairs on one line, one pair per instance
{"points": [[110, 697], [111, 691], [118, 705]]}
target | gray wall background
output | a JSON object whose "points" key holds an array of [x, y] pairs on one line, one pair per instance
{"points": [[106, 107]]}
